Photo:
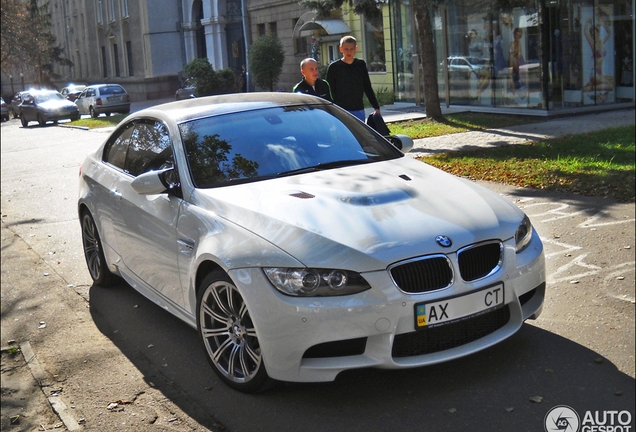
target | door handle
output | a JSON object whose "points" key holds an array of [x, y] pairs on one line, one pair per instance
{"points": [[115, 193]]}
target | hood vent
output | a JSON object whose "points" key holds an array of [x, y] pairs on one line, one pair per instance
{"points": [[302, 195]]}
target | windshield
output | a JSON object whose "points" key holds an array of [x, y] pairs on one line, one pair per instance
{"points": [[275, 142], [45, 97]]}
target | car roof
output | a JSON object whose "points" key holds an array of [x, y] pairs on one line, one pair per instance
{"points": [[103, 85], [190, 109]]}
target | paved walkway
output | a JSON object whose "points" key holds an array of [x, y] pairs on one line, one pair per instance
{"points": [[522, 133]]}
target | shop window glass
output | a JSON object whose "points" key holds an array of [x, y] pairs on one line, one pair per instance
{"points": [[374, 44], [404, 84], [493, 55]]}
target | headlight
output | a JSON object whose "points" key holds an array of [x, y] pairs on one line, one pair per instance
{"points": [[304, 282], [523, 234]]}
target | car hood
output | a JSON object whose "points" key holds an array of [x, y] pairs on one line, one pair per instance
{"points": [[365, 217], [54, 104]]}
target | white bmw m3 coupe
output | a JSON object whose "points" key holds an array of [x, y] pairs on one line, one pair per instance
{"points": [[300, 243]]}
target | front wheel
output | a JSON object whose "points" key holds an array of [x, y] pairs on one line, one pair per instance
{"points": [[92, 112], [229, 336], [94, 254], [41, 121], [24, 121]]}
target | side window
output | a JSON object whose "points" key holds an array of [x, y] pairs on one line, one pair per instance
{"points": [[115, 150], [150, 148]]}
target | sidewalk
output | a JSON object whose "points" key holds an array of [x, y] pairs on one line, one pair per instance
{"points": [[522, 133]]}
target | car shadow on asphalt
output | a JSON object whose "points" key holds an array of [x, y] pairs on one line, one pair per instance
{"points": [[510, 386]]}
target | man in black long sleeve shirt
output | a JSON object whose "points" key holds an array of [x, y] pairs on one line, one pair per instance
{"points": [[349, 79], [310, 83]]}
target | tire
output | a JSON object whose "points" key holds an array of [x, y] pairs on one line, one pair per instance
{"points": [[92, 112], [24, 122], [41, 121], [229, 336], [94, 253]]}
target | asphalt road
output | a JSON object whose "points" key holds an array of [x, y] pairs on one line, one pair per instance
{"points": [[94, 346]]}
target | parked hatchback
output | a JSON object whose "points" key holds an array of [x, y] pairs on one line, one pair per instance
{"points": [[72, 91], [46, 105], [103, 98]]}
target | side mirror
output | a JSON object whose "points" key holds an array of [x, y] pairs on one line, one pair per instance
{"points": [[402, 142], [152, 182]]}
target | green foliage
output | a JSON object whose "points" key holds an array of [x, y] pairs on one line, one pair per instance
{"points": [[208, 81], [383, 95], [27, 40], [266, 57], [370, 9]]}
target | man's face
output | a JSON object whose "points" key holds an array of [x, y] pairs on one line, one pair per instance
{"points": [[310, 71], [348, 50]]}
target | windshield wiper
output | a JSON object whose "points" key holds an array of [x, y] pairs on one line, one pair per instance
{"points": [[324, 166]]}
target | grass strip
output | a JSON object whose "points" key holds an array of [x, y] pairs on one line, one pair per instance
{"points": [[92, 123], [599, 163]]}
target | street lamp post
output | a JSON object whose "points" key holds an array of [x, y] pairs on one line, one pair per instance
{"points": [[22, 80], [11, 79]]}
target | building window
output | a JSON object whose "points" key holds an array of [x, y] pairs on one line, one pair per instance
{"points": [[129, 56], [374, 44], [104, 64], [301, 45], [124, 9], [333, 52], [100, 12], [260, 30], [116, 57], [111, 10], [273, 28]]}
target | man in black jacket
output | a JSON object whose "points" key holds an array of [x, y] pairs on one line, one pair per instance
{"points": [[349, 79], [310, 83]]}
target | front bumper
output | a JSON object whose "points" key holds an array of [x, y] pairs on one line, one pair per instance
{"points": [[314, 339], [59, 115]]}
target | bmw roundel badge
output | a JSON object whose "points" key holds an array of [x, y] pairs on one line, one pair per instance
{"points": [[443, 241]]}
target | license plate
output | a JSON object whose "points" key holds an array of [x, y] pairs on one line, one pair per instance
{"points": [[450, 310], [114, 98]]}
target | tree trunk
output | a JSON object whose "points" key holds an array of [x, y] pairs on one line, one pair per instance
{"points": [[429, 60]]}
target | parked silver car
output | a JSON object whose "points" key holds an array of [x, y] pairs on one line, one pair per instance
{"points": [[103, 98]]}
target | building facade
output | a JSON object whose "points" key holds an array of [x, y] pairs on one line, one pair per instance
{"points": [[537, 55], [545, 55]]}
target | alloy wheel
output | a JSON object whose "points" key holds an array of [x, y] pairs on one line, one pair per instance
{"points": [[95, 259], [229, 336]]}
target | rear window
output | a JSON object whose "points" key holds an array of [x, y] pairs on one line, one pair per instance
{"points": [[274, 142], [109, 90]]}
